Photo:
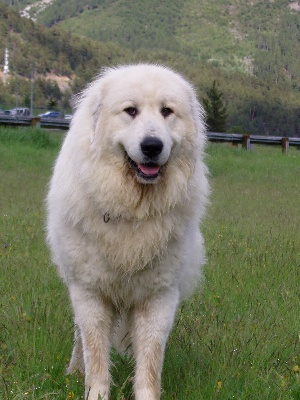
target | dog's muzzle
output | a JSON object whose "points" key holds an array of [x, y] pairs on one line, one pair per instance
{"points": [[151, 147]]}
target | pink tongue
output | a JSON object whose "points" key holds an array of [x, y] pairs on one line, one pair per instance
{"points": [[149, 170]]}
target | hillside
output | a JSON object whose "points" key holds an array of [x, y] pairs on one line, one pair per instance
{"points": [[258, 37], [62, 64], [258, 100]]}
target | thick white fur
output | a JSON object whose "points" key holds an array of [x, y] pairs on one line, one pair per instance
{"points": [[127, 249]]}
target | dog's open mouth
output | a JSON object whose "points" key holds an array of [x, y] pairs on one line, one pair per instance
{"points": [[148, 171]]}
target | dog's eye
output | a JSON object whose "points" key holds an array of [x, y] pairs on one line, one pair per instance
{"points": [[166, 111], [132, 111]]}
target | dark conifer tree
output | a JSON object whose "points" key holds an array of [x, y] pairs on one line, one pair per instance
{"points": [[216, 113]]}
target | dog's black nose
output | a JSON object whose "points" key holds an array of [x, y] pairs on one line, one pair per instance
{"points": [[151, 146]]}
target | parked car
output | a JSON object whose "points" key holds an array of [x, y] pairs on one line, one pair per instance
{"points": [[44, 114], [19, 112], [52, 114]]}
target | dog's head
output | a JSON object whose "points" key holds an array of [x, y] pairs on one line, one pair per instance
{"points": [[145, 115]]}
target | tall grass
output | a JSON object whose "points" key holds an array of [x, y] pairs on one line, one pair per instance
{"points": [[238, 338]]}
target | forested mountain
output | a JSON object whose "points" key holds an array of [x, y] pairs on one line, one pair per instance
{"points": [[251, 48], [62, 64], [257, 36]]}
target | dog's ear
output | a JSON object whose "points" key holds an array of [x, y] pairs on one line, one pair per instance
{"points": [[95, 93], [95, 111], [199, 120], [88, 103], [95, 96]]}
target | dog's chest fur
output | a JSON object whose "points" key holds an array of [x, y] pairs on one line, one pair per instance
{"points": [[125, 264]]}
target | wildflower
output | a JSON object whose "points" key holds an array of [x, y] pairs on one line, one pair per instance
{"points": [[26, 317], [71, 396], [283, 382], [296, 369]]}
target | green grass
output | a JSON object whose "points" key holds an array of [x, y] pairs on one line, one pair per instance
{"points": [[238, 339]]}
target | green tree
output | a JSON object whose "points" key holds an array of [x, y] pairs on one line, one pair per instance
{"points": [[52, 103], [216, 113]]}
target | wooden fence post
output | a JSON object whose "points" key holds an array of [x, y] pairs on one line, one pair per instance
{"points": [[285, 143], [246, 142], [36, 122]]}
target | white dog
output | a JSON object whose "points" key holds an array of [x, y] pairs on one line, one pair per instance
{"points": [[128, 191]]}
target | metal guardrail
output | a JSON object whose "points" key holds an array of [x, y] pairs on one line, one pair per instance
{"points": [[15, 121], [247, 141], [50, 123], [55, 123]]}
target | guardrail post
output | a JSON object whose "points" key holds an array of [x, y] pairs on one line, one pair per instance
{"points": [[285, 143], [36, 122], [246, 142]]}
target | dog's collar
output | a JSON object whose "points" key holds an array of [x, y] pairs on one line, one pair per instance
{"points": [[119, 218], [106, 217]]}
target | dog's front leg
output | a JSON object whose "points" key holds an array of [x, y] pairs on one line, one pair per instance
{"points": [[94, 318], [152, 322], [76, 362]]}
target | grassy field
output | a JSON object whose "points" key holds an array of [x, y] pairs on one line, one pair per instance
{"points": [[238, 339]]}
